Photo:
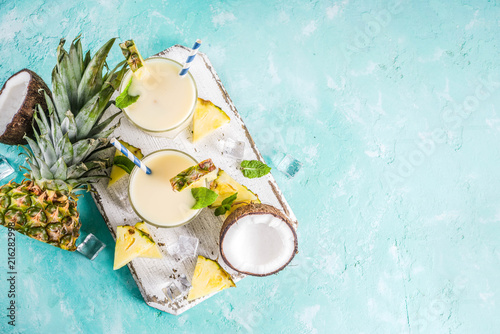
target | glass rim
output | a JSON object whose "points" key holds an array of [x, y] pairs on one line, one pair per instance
{"points": [[134, 171], [184, 120]]}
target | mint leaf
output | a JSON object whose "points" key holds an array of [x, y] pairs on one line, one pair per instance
{"points": [[229, 200], [203, 196], [222, 210], [254, 168], [226, 205], [124, 100], [124, 163]]}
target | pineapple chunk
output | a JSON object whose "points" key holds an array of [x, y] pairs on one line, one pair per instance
{"points": [[117, 172], [193, 175], [207, 118], [208, 277], [132, 55], [153, 252], [225, 186], [130, 243]]}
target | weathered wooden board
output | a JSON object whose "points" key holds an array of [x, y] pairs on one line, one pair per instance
{"points": [[151, 275]]}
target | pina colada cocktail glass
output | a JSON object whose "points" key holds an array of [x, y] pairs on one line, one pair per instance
{"points": [[166, 100], [152, 196]]}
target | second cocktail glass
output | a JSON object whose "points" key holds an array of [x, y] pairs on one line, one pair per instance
{"points": [[166, 100], [152, 196]]}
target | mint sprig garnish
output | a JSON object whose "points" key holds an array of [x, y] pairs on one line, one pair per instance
{"points": [[253, 168], [203, 196], [226, 205], [124, 100]]}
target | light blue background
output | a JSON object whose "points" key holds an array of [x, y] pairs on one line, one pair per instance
{"points": [[398, 199]]}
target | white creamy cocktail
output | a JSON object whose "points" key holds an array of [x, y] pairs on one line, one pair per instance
{"points": [[152, 196], [166, 99]]}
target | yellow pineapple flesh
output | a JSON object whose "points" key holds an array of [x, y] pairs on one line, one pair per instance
{"points": [[208, 277], [225, 186], [130, 244], [116, 171], [207, 118], [153, 252]]}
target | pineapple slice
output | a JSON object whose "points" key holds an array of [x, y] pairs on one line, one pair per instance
{"points": [[153, 252], [117, 172], [132, 55], [130, 243], [225, 186], [192, 175], [207, 118], [208, 277]]}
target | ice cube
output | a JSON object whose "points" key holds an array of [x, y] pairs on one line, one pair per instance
{"points": [[185, 248], [188, 245], [119, 189], [289, 166], [173, 250], [5, 168], [184, 283], [176, 288], [119, 193], [90, 247], [171, 291], [233, 148]]}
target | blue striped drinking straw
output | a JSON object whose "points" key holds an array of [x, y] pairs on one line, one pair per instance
{"points": [[129, 155], [190, 59]]}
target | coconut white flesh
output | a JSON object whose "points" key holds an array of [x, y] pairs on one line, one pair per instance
{"points": [[12, 98], [258, 244]]}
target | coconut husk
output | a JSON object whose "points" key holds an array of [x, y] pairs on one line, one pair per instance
{"points": [[21, 123], [251, 209]]}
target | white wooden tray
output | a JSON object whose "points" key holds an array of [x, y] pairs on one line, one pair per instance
{"points": [[151, 275]]}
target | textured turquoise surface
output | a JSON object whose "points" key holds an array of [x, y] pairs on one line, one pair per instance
{"points": [[391, 107]]}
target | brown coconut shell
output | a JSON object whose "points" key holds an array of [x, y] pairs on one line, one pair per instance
{"points": [[21, 123], [252, 209]]}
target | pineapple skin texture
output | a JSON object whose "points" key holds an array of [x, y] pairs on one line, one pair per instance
{"points": [[131, 53], [192, 175], [153, 252], [208, 277], [48, 216]]}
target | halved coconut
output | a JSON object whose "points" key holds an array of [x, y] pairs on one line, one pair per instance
{"points": [[18, 98], [258, 240]]}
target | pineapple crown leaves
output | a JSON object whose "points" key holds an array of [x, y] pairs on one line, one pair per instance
{"points": [[54, 157], [79, 86], [69, 147]]}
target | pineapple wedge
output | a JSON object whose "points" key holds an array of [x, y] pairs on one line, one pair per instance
{"points": [[153, 252], [132, 55], [207, 118], [117, 172], [193, 175], [225, 186], [208, 277], [130, 243]]}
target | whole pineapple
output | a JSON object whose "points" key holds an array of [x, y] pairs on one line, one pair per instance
{"points": [[67, 148]]}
